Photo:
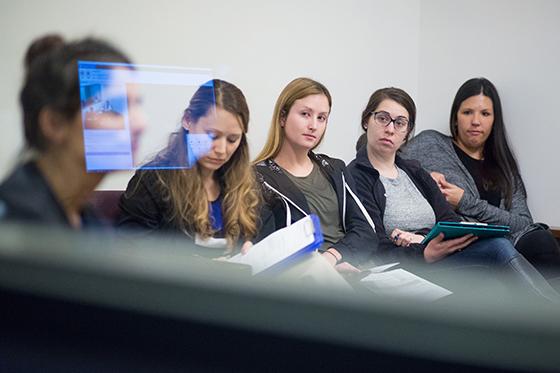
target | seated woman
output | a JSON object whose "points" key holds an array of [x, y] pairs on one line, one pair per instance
{"points": [[51, 185], [478, 174], [202, 185], [405, 202], [299, 182]]}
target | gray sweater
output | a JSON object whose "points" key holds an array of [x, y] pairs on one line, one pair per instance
{"points": [[435, 152]]}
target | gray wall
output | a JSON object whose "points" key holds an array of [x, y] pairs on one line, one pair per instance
{"points": [[515, 44], [427, 47]]}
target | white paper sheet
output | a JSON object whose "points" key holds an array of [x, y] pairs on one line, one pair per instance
{"points": [[403, 284], [382, 268], [278, 246]]}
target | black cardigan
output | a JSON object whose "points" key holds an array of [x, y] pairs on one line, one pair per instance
{"points": [[26, 197], [372, 194], [359, 242], [143, 208]]}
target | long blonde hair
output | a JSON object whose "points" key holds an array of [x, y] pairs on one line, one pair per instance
{"points": [[183, 189], [295, 90]]}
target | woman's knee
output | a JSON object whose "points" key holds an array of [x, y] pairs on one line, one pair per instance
{"points": [[503, 249], [539, 242]]}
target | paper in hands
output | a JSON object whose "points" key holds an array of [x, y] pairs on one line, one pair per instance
{"points": [[283, 247]]}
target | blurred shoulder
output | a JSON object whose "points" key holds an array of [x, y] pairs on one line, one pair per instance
{"points": [[430, 136]]}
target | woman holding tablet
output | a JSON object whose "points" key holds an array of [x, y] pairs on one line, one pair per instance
{"points": [[405, 202], [477, 172]]}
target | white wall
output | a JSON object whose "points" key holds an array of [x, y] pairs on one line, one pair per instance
{"points": [[515, 44], [259, 46], [427, 47]]}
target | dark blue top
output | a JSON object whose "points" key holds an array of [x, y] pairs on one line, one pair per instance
{"points": [[216, 215]]}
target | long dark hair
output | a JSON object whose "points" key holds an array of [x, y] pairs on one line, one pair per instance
{"points": [[500, 171]]}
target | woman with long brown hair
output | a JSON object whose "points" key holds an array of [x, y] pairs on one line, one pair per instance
{"points": [[202, 184]]}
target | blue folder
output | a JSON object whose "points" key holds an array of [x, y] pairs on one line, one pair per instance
{"points": [[283, 248], [298, 255], [458, 229]]}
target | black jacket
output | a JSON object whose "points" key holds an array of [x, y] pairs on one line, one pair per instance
{"points": [[359, 242], [372, 193], [143, 208], [26, 197]]}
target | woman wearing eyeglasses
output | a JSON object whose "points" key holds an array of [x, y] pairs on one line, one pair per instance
{"points": [[477, 172], [405, 202]]}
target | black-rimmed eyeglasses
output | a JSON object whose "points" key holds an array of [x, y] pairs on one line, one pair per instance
{"points": [[384, 119]]}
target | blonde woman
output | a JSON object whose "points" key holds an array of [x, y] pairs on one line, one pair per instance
{"points": [[301, 182], [208, 194]]}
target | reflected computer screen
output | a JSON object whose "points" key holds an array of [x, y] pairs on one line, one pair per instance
{"points": [[130, 111]]}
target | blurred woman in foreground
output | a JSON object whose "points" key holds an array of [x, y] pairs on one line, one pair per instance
{"points": [[51, 185]]}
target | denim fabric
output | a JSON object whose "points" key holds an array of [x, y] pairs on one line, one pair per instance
{"points": [[493, 252]]}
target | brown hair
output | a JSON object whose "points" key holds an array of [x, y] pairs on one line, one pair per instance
{"points": [[390, 93], [184, 190], [51, 80], [40, 47]]}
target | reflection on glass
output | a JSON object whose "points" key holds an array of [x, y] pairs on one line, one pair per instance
{"points": [[111, 94]]}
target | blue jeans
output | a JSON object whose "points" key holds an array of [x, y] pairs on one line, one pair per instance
{"points": [[492, 252], [500, 254]]}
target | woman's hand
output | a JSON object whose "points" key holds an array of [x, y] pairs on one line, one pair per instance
{"points": [[451, 192], [404, 238], [438, 178], [246, 247], [345, 268], [438, 249], [333, 257]]}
